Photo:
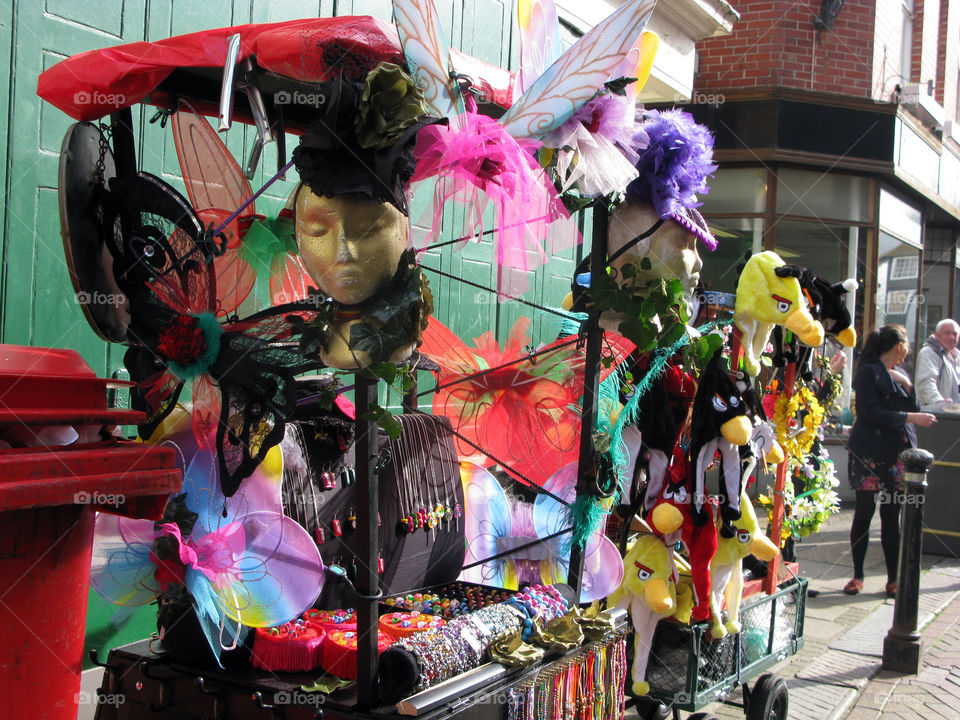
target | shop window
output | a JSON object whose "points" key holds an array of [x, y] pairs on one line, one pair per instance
{"points": [[833, 196], [821, 248], [897, 298], [736, 236]]}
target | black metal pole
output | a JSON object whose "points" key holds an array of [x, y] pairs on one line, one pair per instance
{"points": [[901, 646], [591, 381], [367, 581]]}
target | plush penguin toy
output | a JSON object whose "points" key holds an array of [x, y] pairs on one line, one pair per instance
{"points": [[662, 412], [719, 424], [671, 517], [827, 306]]}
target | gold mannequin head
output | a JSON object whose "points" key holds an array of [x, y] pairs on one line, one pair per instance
{"points": [[349, 246]]}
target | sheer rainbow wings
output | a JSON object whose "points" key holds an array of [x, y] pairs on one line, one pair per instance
{"points": [[602, 569], [539, 41], [486, 519], [577, 75], [254, 565], [120, 569], [427, 52], [639, 62]]}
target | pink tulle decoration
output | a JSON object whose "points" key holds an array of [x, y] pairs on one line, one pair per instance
{"points": [[481, 164], [595, 147]]}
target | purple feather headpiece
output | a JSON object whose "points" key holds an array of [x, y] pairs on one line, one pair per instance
{"points": [[674, 168]]}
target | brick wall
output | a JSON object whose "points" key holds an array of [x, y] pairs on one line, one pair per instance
{"points": [[775, 43], [948, 58]]}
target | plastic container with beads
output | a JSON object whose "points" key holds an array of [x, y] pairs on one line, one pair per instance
{"points": [[404, 624], [344, 619], [340, 652], [291, 647]]}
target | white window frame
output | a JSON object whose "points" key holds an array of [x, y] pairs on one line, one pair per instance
{"points": [[902, 269]]}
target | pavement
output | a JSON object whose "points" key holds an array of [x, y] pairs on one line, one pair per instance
{"points": [[837, 675]]}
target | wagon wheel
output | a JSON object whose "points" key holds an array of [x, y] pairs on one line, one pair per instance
{"points": [[769, 699], [651, 709]]}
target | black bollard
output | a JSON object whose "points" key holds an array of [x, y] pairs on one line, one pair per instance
{"points": [[901, 646]]}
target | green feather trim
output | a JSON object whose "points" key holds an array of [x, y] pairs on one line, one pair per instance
{"points": [[212, 331], [584, 516]]}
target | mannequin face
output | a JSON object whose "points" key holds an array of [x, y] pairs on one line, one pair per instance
{"points": [[350, 248], [671, 249]]}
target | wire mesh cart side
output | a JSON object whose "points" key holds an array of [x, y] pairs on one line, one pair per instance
{"points": [[687, 670]]}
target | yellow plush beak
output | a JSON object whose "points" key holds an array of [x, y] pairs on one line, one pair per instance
{"points": [[775, 455], [666, 518], [807, 329], [763, 548], [847, 337], [657, 596], [736, 430]]}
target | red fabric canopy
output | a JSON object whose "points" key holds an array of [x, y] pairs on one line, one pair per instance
{"points": [[97, 83]]}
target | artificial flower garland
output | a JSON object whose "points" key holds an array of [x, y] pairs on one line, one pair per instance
{"points": [[797, 444], [809, 495]]}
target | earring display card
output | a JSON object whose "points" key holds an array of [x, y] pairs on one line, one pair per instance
{"points": [[421, 536]]}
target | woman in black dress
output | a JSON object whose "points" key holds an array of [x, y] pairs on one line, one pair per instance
{"points": [[887, 411]]}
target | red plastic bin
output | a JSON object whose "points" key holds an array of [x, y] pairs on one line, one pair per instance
{"points": [[48, 499]]}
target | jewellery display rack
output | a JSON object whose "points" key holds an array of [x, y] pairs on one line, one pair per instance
{"points": [[154, 686]]}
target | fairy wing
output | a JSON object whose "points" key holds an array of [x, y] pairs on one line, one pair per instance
{"points": [[121, 569], [216, 187], [539, 40], [427, 52], [261, 492], [268, 572], [639, 61], [486, 518], [575, 77]]}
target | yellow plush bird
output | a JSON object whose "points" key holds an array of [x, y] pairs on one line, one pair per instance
{"points": [[648, 591], [726, 569], [766, 297]]}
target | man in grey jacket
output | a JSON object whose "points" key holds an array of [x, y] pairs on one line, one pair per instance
{"points": [[938, 368]]}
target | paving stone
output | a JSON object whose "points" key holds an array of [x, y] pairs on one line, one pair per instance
{"points": [[815, 701], [866, 637], [836, 667]]}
